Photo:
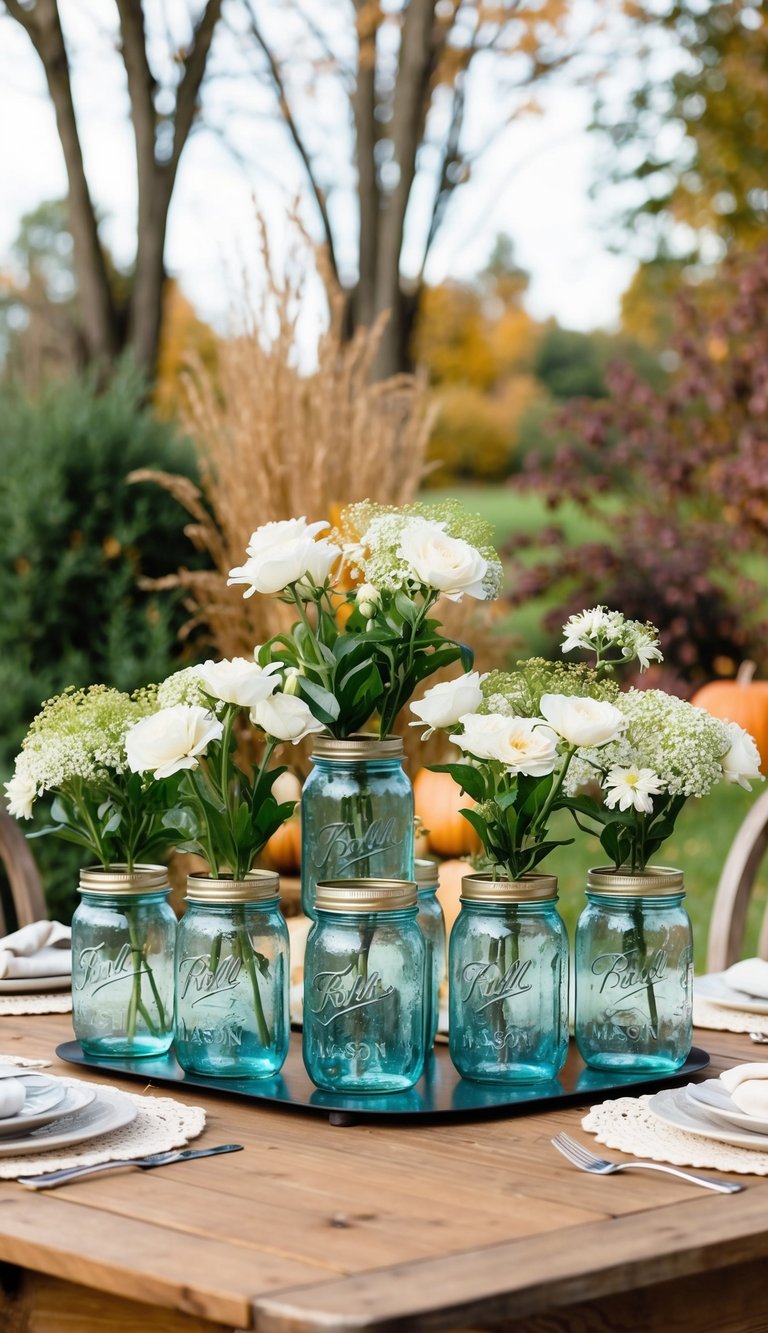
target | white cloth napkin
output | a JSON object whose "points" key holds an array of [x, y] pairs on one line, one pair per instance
{"points": [[748, 1086], [41, 949], [749, 976], [12, 1097]]}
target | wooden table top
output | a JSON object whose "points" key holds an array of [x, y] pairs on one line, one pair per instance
{"points": [[377, 1226]]}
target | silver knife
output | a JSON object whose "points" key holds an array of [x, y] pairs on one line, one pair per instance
{"points": [[54, 1178]]}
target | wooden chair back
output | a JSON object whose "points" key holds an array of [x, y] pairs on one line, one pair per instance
{"points": [[23, 875], [729, 914]]}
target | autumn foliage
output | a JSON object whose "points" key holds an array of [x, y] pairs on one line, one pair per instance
{"points": [[687, 467]]}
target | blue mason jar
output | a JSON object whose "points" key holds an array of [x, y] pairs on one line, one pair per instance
{"points": [[508, 973], [634, 972], [123, 933], [232, 1016], [364, 988], [432, 923], [356, 813]]}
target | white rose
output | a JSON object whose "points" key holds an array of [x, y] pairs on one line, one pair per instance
{"points": [[171, 739], [20, 795], [286, 718], [742, 762], [238, 680], [521, 744], [444, 704], [284, 553], [582, 721], [448, 564]]}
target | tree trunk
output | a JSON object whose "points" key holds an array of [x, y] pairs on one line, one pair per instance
{"points": [[99, 318]]}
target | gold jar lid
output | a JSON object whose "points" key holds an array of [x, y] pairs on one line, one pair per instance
{"points": [[120, 881], [531, 888], [365, 745], [365, 895], [223, 889], [425, 872], [653, 882]]}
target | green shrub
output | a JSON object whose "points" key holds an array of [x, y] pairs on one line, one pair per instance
{"points": [[74, 539]]}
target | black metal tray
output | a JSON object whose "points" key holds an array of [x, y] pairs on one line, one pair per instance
{"points": [[440, 1094]]}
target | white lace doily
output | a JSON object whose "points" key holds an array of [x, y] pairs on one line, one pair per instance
{"points": [[161, 1124], [36, 1004], [706, 1015], [630, 1125]]}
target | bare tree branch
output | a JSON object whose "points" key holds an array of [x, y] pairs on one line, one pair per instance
{"points": [[192, 78], [452, 159], [368, 192], [298, 142]]}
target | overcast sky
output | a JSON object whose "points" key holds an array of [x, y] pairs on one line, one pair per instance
{"points": [[534, 185]]}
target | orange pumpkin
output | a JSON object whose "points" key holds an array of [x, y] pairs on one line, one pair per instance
{"points": [[438, 801], [451, 874], [284, 847], [742, 700]]}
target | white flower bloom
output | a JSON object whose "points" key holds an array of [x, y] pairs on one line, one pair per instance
{"points": [[582, 721], [171, 739], [285, 553], [20, 795], [521, 744], [581, 630], [368, 599], [448, 564], [238, 680], [742, 762], [632, 788], [286, 718], [645, 648], [444, 704]]}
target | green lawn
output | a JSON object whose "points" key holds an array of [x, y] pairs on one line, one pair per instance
{"points": [[706, 828]]}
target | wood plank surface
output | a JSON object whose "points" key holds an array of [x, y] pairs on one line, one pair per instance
{"points": [[374, 1226], [484, 1287]]}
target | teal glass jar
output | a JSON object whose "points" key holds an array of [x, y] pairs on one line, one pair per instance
{"points": [[232, 1017], [432, 923], [123, 934], [364, 988], [634, 972], [508, 981], [356, 813]]}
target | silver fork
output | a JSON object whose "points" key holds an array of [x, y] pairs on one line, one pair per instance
{"points": [[598, 1166]]}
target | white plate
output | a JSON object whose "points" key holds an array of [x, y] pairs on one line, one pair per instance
{"points": [[674, 1107], [108, 1111], [25, 985], [716, 1099], [42, 1093], [717, 991], [29, 1118]]}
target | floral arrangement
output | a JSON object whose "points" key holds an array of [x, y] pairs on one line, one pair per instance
{"points": [[364, 638], [550, 736], [75, 751], [220, 811]]}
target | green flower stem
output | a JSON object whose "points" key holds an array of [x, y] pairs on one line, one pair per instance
{"points": [[541, 822], [136, 1004], [640, 944], [318, 665], [246, 956]]}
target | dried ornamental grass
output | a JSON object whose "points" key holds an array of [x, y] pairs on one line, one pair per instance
{"points": [[274, 443]]}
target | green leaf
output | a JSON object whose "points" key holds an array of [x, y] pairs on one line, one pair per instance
{"points": [[469, 779], [324, 707], [479, 825]]}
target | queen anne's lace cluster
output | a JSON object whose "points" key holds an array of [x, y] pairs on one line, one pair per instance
{"points": [[682, 745], [186, 687], [80, 734], [519, 692]]}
